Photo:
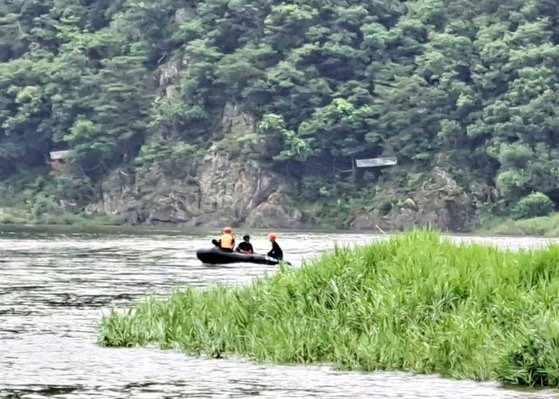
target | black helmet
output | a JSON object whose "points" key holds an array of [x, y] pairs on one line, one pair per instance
{"points": [[246, 237]]}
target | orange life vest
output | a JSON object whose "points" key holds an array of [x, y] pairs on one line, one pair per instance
{"points": [[227, 241]]}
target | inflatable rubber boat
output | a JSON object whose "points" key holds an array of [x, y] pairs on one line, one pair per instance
{"points": [[217, 256]]}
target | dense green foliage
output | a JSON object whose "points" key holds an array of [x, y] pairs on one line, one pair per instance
{"points": [[533, 205], [412, 302], [469, 86]]}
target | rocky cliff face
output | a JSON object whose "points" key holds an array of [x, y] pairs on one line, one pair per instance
{"points": [[225, 191], [439, 203], [221, 192]]}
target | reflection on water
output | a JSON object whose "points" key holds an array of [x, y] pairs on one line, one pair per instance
{"points": [[55, 287]]}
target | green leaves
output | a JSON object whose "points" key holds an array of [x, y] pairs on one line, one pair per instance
{"points": [[180, 155], [339, 129], [533, 205], [90, 144], [432, 82], [294, 146], [83, 131]]}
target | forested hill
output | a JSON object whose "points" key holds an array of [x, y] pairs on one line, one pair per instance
{"points": [[465, 88]]}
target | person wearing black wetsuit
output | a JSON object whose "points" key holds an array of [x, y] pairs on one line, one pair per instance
{"points": [[245, 246], [276, 251]]}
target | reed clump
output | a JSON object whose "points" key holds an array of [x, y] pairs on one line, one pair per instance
{"points": [[415, 302]]}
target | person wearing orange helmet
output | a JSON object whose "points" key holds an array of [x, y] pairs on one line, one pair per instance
{"points": [[276, 251], [227, 240]]}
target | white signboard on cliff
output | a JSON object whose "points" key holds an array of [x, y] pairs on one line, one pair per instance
{"points": [[375, 162]]}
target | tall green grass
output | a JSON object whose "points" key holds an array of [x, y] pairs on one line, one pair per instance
{"points": [[414, 302]]}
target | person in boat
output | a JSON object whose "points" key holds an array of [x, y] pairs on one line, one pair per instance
{"points": [[227, 240], [276, 251], [245, 246]]}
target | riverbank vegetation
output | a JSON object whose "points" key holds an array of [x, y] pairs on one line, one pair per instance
{"points": [[468, 87], [547, 226], [22, 216], [28, 199], [414, 302]]}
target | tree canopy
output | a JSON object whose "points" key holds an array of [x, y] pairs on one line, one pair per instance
{"points": [[469, 86]]}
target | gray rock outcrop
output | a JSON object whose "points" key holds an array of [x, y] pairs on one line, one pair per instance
{"points": [[221, 192], [438, 203]]}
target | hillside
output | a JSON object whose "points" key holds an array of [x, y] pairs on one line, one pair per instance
{"points": [[254, 111]]}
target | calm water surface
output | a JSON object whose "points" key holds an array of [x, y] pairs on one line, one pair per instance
{"points": [[54, 288]]}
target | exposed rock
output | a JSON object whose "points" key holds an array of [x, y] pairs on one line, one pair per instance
{"points": [[221, 192], [185, 13], [169, 73], [215, 191], [242, 193], [115, 195], [409, 203], [439, 203], [483, 193], [234, 120], [278, 212]]}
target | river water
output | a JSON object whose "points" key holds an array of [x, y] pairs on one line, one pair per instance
{"points": [[56, 285]]}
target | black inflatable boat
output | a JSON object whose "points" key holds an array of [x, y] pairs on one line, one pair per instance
{"points": [[218, 256]]}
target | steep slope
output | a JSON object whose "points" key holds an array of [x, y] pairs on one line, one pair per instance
{"points": [[463, 93]]}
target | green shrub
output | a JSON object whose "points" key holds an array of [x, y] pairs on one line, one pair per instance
{"points": [[44, 205], [79, 190], [513, 183], [179, 157], [533, 205]]}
